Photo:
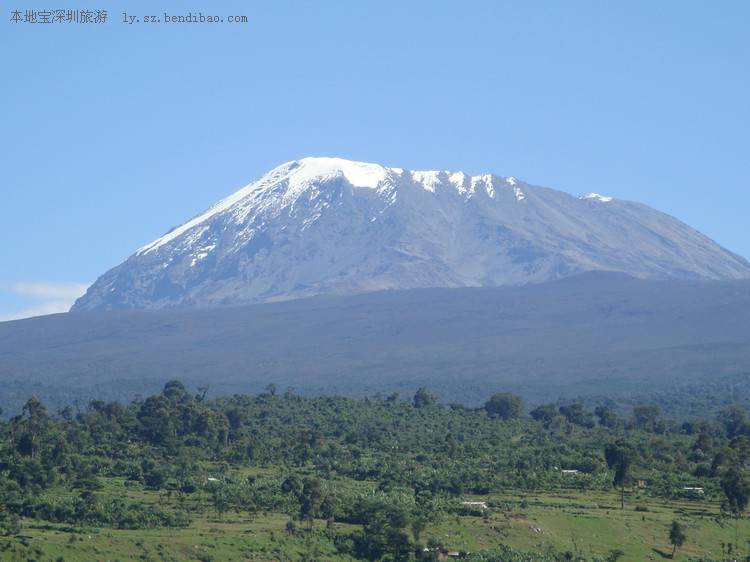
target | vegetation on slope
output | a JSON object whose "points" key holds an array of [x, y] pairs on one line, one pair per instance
{"points": [[282, 477]]}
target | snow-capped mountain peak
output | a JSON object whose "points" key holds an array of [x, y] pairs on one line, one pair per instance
{"points": [[330, 225], [298, 176]]}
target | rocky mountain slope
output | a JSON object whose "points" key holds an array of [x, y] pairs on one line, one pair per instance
{"points": [[332, 226]]}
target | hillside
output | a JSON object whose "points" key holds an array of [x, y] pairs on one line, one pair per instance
{"points": [[593, 333]]}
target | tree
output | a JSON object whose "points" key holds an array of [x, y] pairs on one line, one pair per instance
{"points": [[10, 523], [175, 392], [418, 525], [383, 534], [34, 421], [201, 396], [310, 499], [504, 405], [646, 417], [292, 485], [271, 389], [157, 420], [219, 498], [606, 416], [735, 422], [737, 491], [544, 413], [423, 399], [577, 414], [619, 456], [676, 536]]}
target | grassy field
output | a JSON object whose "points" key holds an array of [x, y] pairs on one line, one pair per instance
{"points": [[264, 538], [593, 522], [589, 522]]}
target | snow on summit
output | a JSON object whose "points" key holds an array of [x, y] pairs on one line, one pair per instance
{"points": [[335, 226], [298, 174], [301, 174], [597, 197], [358, 174]]}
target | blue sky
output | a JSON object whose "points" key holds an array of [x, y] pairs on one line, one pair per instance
{"points": [[112, 134]]}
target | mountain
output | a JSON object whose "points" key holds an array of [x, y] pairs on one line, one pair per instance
{"points": [[593, 333], [331, 226]]}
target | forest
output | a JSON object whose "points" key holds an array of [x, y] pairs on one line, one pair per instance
{"points": [[278, 476]]}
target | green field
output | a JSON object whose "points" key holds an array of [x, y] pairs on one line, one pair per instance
{"points": [[586, 522]]}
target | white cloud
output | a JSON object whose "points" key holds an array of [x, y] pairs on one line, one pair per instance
{"points": [[47, 298], [45, 290]]}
